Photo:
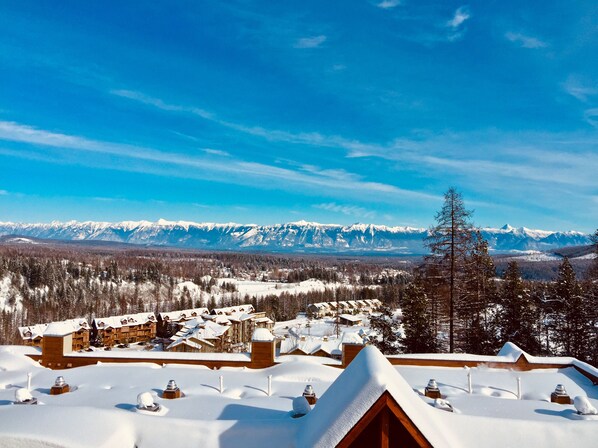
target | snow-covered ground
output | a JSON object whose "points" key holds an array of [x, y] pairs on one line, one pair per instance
{"points": [[302, 326], [533, 255], [101, 409], [262, 289]]}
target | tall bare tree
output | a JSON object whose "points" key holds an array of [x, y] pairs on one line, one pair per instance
{"points": [[450, 241]]}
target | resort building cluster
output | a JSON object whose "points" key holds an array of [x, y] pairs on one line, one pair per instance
{"points": [[227, 329]]}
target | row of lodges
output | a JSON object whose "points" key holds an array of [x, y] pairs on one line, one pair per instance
{"points": [[364, 306], [237, 324]]}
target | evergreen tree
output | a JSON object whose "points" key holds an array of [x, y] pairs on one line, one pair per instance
{"points": [[419, 335], [387, 327], [478, 334], [519, 314], [593, 271], [449, 243], [574, 325]]}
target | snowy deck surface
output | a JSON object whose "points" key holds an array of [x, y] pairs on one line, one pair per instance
{"points": [[101, 410]]}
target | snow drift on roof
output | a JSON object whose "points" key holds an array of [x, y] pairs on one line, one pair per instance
{"points": [[59, 329], [262, 335]]}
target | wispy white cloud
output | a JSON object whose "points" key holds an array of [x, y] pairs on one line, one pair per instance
{"points": [[388, 4], [310, 42], [578, 89], [349, 210], [152, 161], [525, 41], [461, 15], [216, 152], [455, 27], [502, 158], [156, 102], [3, 193], [305, 138], [591, 117]]}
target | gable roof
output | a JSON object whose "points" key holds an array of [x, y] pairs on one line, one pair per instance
{"points": [[67, 326], [352, 395]]}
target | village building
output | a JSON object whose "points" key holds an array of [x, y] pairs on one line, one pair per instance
{"points": [[33, 334], [125, 329], [200, 336], [350, 320], [243, 320], [323, 309], [326, 346], [168, 321]]}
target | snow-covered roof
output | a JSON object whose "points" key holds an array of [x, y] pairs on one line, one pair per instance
{"points": [[353, 393], [349, 304], [32, 332], [490, 416], [264, 320], [262, 335], [351, 318], [351, 337], [245, 308], [185, 341], [311, 345], [200, 329], [59, 329], [125, 320], [176, 316]]}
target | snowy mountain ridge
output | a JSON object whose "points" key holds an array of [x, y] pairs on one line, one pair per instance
{"points": [[301, 236]]}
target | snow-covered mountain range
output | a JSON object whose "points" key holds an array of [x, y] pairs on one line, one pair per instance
{"points": [[299, 236]]}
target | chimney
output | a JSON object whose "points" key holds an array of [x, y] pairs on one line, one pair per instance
{"points": [[560, 395], [310, 394], [432, 390], [172, 391], [350, 351], [60, 387], [56, 342], [262, 349]]}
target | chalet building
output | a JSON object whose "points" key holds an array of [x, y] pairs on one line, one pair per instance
{"points": [[125, 329], [262, 321], [168, 321], [241, 319], [350, 320], [319, 346], [200, 336], [33, 334]]}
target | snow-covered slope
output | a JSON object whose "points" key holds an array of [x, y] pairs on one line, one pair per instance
{"points": [[291, 237]]}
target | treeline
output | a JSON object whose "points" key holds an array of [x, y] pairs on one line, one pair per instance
{"points": [[456, 303]]}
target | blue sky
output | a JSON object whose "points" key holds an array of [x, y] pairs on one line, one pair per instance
{"points": [[329, 111]]}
